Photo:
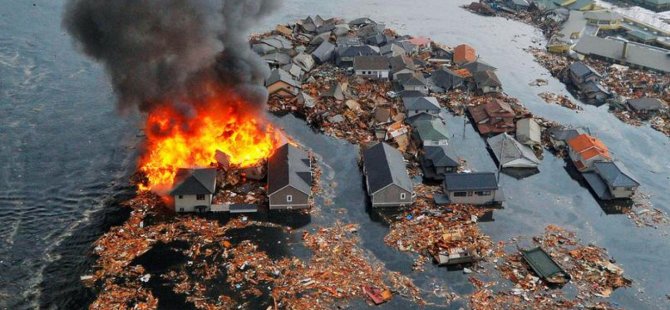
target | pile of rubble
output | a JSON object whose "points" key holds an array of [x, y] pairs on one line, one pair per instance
{"points": [[563, 101], [644, 214], [593, 274], [431, 231]]}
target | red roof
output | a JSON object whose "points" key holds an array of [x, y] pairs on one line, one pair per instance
{"points": [[588, 147], [419, 41], [464, 53]]}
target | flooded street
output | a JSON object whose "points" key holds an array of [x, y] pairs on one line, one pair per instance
{"points": [[67, 154]]}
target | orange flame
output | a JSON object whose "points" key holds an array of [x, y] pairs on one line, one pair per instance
{"points": [[222, 122]]}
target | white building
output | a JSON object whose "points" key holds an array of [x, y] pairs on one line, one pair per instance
{"points": [[193, 190]]}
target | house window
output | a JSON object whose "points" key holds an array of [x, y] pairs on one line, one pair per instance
{"points": [[460, 194], [483, 193], [200, 197], [289, 198], [403, 196], [181, 209], [181, 196]]}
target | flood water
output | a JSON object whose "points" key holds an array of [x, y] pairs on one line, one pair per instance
{"points": [[66, 155]]}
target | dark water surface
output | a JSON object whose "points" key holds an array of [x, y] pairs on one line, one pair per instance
{"points": [[66, 154]]}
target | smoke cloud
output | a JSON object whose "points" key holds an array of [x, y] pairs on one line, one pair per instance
{"points": [[158, 51]]}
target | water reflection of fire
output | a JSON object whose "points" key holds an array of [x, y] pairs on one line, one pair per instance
{"points": [[223, 122]]}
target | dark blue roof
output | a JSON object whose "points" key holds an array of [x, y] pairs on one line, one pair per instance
{"points": [[470, 181]]}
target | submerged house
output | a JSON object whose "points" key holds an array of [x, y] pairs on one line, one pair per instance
{"points": [[435, 162], [289, 178], [584, 150], [493, 117], [510, 153], [646, 106], [477, 188], [193, 189], [611, 180], [386, 178]]}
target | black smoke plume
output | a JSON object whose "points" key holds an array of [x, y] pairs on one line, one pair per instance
{"points": [[159, 51]]}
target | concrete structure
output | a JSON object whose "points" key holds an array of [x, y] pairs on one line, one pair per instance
{"points": [[624, 52], [511, 153], [477, 188], [528, 131], [289, 178], [584, 150], [193, 189], [374, 67], [386, 177], [604, 19]]}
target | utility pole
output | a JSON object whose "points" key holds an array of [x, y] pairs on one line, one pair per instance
{"points": [[502, 156]]}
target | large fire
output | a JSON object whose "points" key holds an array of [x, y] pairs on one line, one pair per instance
{"points": [[222, 122]]}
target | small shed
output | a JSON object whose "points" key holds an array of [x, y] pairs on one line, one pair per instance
{"points": [[528, 132]]}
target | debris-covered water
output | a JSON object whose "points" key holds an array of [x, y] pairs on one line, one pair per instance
{"points": [[66, 155]]}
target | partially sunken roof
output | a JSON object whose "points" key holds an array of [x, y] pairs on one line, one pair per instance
{"points": [[646, 104], [478, 65], [289, 166], [438, 156], [384, 166], [511, 152], [278, 75], [470, 181], [581, 69], [194, 182], [615, 174], [431, 130], [421, 103], [486, 78]]}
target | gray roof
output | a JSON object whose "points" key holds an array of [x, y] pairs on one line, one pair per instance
{"points": [[597, 185], [194, 182], [648, 104], [543, 265], [602, 15], [431, 130], [384, 165], [410, 79], [615, 174], [278, 42], [410, 94], [289, 166], [324, 52], [281, 75], [421, 103], [477, 66], [486, 78], [356, 50], [511, 151], [371, 63], [637, 54], [565, 134], [580, 69], [438, 156], [470, 181], [446, 79]]}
